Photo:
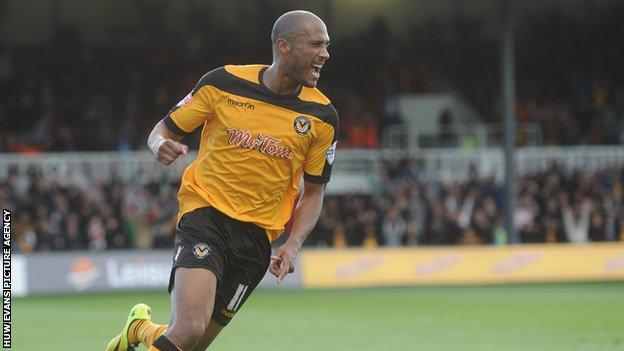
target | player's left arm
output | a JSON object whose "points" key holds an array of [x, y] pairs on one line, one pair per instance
{"points": [[317, 171], [306, 214]]}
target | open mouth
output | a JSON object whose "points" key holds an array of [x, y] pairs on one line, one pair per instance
{"points": [[316, 70]]}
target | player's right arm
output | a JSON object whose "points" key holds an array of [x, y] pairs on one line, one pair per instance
{"points": [[165, 145], [188, 114]]}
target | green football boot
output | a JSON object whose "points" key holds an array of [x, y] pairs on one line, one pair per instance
{"points": [[120, 342]]}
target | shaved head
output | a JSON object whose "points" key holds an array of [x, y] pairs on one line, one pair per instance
{"points": [[300, 42], [291, 24]]}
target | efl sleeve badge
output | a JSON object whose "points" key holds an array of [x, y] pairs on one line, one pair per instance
{"points": [[331, 153]]}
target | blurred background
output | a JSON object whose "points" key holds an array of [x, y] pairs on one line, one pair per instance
{"points": [[425, 91], [417, 85]]}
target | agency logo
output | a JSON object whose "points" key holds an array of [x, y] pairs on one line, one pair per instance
{"points": [[248, 105], [201, 250], [83, 274], [302, 125]]}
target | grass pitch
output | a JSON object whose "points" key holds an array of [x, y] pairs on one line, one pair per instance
{"points": [[547, 317]]}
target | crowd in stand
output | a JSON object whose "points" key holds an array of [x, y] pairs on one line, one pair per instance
{"points": [[408, 206], [411, 207], [96, 216], [71, 94]]}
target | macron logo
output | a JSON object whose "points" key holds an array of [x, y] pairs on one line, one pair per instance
{"points": [[248, 105]]}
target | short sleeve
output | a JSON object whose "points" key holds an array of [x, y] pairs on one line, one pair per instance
{"points": [[320, 157], [194, 109]]}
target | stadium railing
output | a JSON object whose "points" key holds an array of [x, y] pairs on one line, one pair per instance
{"points": [[449, 164], [467, 134]]}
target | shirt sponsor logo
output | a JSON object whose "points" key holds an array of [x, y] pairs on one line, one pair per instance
{"points": [[331, 153], [265, 144], [302, 125], [246, 104]]}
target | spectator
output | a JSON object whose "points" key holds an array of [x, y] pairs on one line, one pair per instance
{"points": [[96, 234], [576, 221], [393, 228], [597, 227]]}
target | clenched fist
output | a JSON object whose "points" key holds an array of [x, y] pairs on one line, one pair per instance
{"points": [[167, 150]]}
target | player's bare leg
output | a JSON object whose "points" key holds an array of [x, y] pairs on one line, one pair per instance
{"points": [[210, 334], [192, 301]]}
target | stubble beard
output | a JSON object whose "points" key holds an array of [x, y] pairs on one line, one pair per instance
{"points": [[298, 75]]}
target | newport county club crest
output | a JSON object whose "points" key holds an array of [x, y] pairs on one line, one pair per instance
{"points": [[201, 250], [302, 125]]}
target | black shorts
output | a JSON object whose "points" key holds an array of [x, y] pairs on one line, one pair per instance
{"points": [[237, 252]]}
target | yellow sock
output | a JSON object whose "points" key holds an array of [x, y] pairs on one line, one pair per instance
{"points": [[145, 332]]}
